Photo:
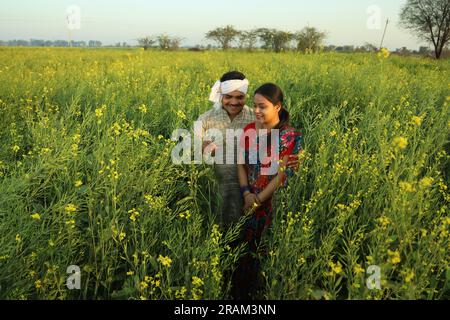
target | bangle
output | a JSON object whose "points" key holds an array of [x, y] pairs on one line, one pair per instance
{"points": [[258, 199], [245, 189]]}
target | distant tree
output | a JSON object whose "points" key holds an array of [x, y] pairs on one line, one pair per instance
{"points": [[429, 20], [146, 42], [404, 51], [21, 43], [330, 48], [309, 39], [266, 37], [37, 43], [61, 43], [163, 41], [224, 36], [94, 43], [424, 51], [248, 39], [275, 40], [348, 48], [281, 40], [369, 47], [79, 44], [166, 42], [175, 43]]}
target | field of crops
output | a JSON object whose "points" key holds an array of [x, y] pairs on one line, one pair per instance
{"points": [[86, 176]]}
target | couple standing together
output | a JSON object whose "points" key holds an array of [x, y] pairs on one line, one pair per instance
{"points": [[245, 186]]}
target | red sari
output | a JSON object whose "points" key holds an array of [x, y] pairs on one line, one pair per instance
{"points": [[259, 176]]}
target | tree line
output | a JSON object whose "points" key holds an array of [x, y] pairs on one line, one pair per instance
{"points": [[50, 43], [429, 20]]}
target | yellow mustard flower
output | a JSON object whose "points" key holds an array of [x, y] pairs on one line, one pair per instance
{"points": [[416, 121], [426, 182], [196, 281], [400, 143], [394, 257], [358, 269], [406, 186], [36, 216], [165, 261], [71, 208], [133, 214], [409, 276], [384, 53]]}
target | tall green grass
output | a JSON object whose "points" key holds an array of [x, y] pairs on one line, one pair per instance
{"points": [[86, 176]]}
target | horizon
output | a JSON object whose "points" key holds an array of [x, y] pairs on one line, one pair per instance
{"points": [[117, 21]]}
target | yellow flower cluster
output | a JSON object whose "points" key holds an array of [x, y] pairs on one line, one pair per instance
{"points": [[71, 208], [415, 120], [134, 214], [215, 234], [181, 293], [384, 221], [383, 53], [155, 202], [36, 216], [185, 215], [180, 114], [400, 143], [406, 186], [165, 261], [426, 182], [143, 108], [394, 257], [335, 268], [197, 291], [99, 113], [358, 269]]}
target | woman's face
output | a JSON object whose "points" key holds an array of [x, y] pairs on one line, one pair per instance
{"points": [[265, 111]]}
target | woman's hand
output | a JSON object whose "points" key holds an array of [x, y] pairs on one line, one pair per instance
{"points": [[250, 200]]}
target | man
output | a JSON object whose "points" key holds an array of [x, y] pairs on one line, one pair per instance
{"points": [[230, 112]]}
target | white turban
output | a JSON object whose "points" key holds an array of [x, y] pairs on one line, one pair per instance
{"points": [[221, 88]]}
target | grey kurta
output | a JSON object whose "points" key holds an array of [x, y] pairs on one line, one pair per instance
{"points": [[226, 174]]}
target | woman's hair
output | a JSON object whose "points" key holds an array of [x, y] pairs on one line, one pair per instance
{"points": [[232, 75], [274, 94]]}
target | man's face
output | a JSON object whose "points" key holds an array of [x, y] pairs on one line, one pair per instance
{"points": [[234, 102]]}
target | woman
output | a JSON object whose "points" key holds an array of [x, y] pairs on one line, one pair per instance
{"points": [[258, 182]]}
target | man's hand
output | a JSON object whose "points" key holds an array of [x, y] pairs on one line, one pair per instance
{"points": [[293, 162], [209, 147]]}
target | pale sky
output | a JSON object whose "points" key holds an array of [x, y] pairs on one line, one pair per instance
{"points": [[111, 21]]}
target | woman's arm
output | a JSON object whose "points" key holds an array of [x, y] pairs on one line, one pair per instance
{"points": [[277, 181], [249, 198], [242, 175]]}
